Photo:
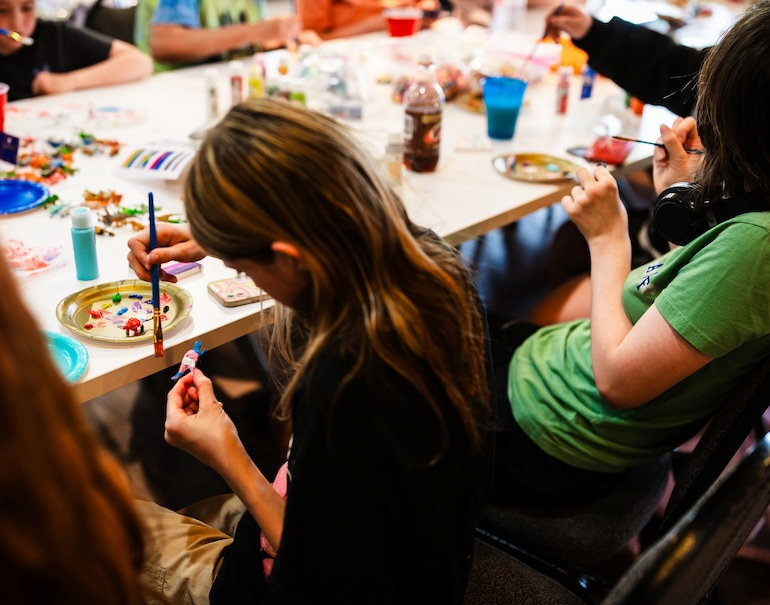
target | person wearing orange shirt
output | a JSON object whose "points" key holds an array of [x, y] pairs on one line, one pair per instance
{"points": [[343, 18]]}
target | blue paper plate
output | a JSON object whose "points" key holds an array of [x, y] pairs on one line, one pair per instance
{"points": [[69, 354], [18, 196]]}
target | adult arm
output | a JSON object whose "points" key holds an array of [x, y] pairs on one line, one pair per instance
{"points": [[647, 64], [175, 43], [632, 363], [125, 63]]}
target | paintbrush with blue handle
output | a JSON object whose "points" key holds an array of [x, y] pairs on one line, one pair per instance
{"points": [[25, 40], [157, 329]]}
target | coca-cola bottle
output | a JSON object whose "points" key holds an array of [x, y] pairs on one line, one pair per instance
{"points": [[424, 101]]}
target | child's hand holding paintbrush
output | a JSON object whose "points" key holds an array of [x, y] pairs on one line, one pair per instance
{"points": [[674, 163]]}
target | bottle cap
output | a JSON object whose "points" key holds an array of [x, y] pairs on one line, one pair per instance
{"points": [[211, 75], [425, 60], [81, 218]]}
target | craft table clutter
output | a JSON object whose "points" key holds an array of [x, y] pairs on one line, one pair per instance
{"points": [[108, 148], [101, 130]]}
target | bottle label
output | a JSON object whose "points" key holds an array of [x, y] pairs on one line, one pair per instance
{"points": [[422, 131], [422, 139], [236, 89], [562, 96]]}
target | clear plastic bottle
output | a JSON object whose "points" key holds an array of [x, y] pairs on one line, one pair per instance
{"points": [[212, 93], [424, 100], [257, 78], [588, 75], [562, 88], [84, 244], [237, 82], [394, 157], [508, 15]]}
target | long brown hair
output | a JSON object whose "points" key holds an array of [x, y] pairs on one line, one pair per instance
{"points": [[380, 286], [68, 533], [732, 111]]}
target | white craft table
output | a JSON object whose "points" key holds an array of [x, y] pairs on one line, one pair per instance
{"points": [[463, 199]]}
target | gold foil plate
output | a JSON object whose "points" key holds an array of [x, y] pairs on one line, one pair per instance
{"points": [[76, 311], [535, 167]]}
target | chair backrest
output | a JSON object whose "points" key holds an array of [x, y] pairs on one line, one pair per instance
{"points": [[684, 565], [114, 22], [720, 441]]}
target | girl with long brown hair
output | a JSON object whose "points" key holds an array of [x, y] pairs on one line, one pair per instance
{"points": [[388, 395], [68, 530]]}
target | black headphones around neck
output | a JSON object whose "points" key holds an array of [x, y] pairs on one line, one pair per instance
{"points": [[679, 215]]}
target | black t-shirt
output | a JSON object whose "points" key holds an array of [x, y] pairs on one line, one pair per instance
{"points": [[59, 47], [369, 517]]}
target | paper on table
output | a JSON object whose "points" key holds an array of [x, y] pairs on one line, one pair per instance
{"points": [[157, 161]]}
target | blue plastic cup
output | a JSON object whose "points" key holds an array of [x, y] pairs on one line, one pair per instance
{"points": [[503, 98]]}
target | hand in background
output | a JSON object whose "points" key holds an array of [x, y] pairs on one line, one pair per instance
{"points": [[278, 32], [48, 83], [571, 19], [308, 36]]}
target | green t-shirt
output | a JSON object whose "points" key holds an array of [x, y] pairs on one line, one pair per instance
{"points": [[209, 14], [719, 303]]}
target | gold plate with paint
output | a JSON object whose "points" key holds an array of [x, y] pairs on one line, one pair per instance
{"points": [[535, 167], [83, 308]]}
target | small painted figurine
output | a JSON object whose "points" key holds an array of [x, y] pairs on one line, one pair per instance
{"points": [[133, 324], [189, 361]]}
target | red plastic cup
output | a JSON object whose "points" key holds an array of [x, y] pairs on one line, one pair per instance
{"points": [[3, 100], [403, 21]]}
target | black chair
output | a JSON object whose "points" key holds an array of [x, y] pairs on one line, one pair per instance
{"points": [[564, 541], [685, 564], [587, 534], [109, 20], [498, 577], [726, 431], [682, 567]]}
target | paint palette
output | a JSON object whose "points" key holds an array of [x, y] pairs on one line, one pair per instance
{"points": [[70, 356], [121, 312], [535, 167], [18, 196]]}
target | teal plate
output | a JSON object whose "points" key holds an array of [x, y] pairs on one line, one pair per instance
{"points": [[18, 196], [70, 356]]}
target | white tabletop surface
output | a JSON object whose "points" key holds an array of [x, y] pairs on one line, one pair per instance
{"points": [[464, 198]]}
